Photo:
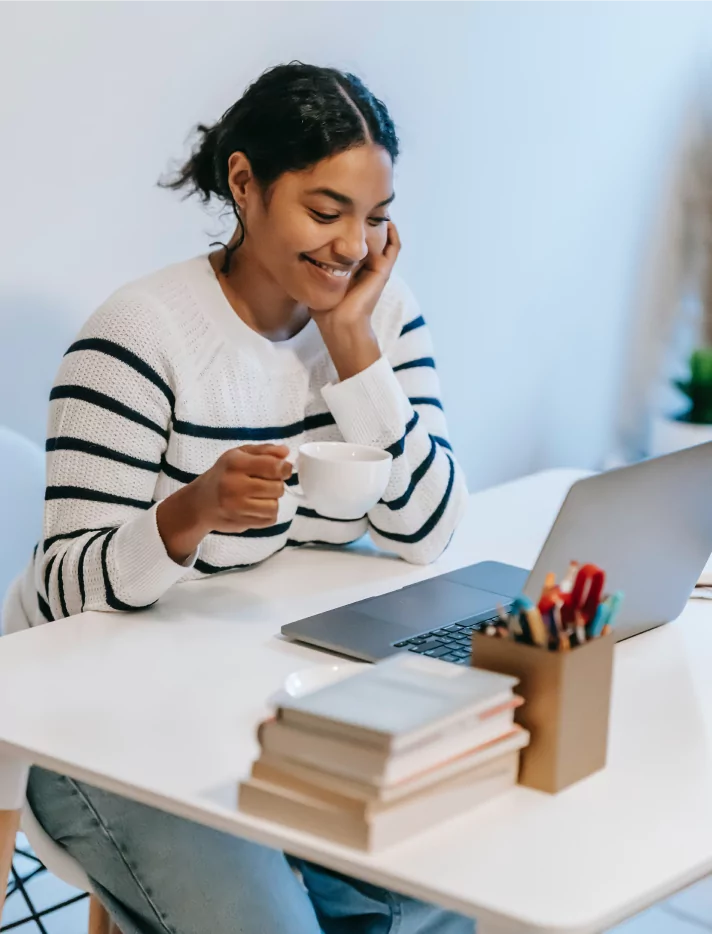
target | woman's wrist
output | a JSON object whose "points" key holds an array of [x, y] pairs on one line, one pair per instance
{"points": [[352, 348], [180, 524]]}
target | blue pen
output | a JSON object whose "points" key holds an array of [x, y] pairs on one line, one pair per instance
{"points": [[616, 600], [518, 616], [606, 614], [599, 620]]}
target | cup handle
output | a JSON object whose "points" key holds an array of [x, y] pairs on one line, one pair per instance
{"points": [[295, 490]]}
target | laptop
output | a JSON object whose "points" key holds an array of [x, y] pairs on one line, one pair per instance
{"points": [[649, 526]]}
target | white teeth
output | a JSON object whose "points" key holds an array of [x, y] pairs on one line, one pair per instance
{"points": [[339, 273]]}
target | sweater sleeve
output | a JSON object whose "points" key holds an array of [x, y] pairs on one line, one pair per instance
{"points": [[109, 418], [395, 404]]}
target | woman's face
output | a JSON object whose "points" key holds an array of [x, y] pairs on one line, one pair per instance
{"points": [[333, 214]]}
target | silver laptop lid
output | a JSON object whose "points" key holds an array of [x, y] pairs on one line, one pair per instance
{"points": [[649, 526]]}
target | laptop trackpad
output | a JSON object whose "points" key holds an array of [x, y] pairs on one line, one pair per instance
{"points": [[430, 604]]}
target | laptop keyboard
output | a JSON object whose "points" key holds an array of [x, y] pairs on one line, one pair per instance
{"points": [[451, 643]]}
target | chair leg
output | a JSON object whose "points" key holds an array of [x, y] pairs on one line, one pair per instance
{"points": [[9, 825], [99, 919]]}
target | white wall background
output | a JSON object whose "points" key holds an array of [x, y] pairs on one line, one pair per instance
{"points": [[537, 139]]}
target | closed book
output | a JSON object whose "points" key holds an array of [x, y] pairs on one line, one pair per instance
{"points": [[279, 771], [372, 826], [398, 702], [341, 756]]}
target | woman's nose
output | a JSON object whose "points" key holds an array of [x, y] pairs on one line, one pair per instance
{"points": [[351, 246]]}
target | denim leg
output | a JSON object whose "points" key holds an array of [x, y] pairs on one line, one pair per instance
{"points": [[349, 906], [159, 874]]}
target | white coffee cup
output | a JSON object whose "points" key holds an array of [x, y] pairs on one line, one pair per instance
{"points": [[341, 480]]}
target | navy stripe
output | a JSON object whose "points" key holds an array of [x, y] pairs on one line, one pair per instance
{"points": [[204, 568], [397, 449], [112, 349], [108, 403], [426, 400], [293, 480], [96, 496], [270, 532], [80, 567], [293, 543], [60, 586], [111, 599], [415, 479], [442, 442], [429, 524], [412, 364], [309, 423], [44, 608], [175, 473], [418, 322], [99, 450], [48, 573], [48, 542], [313, 514]]}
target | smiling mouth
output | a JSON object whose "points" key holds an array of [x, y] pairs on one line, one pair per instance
{"points": [[331, 270]]}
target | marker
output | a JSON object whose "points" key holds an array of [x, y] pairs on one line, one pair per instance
{"points": [[615, 602], [567, 584], [605, 614], [537, 629], [580, 627]]}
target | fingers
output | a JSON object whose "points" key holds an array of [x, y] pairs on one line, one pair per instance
{"points": [[261, 510], [266, 462], [266, 489], [280, 451], [382, 263], [265, 467], [393, 243]]}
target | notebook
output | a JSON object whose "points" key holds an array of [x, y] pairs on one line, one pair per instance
{"points": [[399, 702]]}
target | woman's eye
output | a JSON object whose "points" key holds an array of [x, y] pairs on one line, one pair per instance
{"points": [[378, 220], [324, 217]]}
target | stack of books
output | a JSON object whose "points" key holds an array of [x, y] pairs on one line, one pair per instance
{"points": [[388, 752]]}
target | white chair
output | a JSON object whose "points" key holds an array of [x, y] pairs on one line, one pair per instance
{"points": [[22, 485]]}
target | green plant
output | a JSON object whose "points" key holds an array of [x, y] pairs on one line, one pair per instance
{"points": [[698, 388]]}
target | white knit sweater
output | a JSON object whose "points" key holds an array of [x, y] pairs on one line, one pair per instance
{"points": [[164, 378]]}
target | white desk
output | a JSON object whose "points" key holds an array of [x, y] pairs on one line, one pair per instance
{"points": [[162, 707]]}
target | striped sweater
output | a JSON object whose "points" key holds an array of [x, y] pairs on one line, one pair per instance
{"points": [[163, 379]]}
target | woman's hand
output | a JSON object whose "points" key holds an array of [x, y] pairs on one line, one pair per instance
{"points": [[240, 491], [346, 328]]}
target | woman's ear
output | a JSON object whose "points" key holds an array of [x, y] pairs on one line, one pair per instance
{"points": [[239, 176]]}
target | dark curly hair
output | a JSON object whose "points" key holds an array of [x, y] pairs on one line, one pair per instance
{"points": [[289, 119]]}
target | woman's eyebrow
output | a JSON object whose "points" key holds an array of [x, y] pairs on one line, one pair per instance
{"points": [[344, 199]]}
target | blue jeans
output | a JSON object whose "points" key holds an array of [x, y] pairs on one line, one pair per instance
{"points": [[159, 874]]}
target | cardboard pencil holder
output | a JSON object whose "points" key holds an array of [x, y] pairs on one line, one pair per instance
{"points": [[567, 698]]}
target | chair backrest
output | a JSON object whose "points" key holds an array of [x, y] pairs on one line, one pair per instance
{"points": [[22, 481]]}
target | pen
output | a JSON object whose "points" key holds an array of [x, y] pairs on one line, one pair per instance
{"points": [[614, 601], [580, 627], [595, 627], [537, 629], [567, 584]]}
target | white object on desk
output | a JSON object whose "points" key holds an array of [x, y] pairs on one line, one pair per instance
{"points": [[181, 738], [342, 480], [306, 680]]}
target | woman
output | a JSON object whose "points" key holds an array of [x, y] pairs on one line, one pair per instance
{"points": [[171, 427]]}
